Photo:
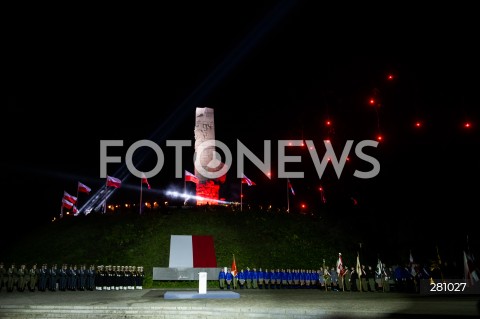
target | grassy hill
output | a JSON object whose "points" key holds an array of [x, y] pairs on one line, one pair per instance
{"points": [[257, 238]]}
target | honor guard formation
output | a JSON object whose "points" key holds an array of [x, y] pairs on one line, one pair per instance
{"points": [[400, 278], [70, 277]]}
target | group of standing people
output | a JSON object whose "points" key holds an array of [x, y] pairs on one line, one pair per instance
{"points": [[368, 279], [70, 277], [325, 278]]}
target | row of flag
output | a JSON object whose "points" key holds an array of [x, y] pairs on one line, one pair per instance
{"points": [[69, 201]]}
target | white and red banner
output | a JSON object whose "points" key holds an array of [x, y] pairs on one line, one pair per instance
{"points": [[82, 188], [187, 251], [189, 177], [69, 197], [113, 182], [145, 181], [66, 203], [340, 269], [246, 180]]}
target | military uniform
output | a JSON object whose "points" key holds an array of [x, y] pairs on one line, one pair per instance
{"points": [[100, 278], [347, 279], [11, 277], [370, 276], [64, 278], [32, 283], [43, 278], [52, 278], [221, 279], [91, 278], [81, 278], [140, 278], [21, 281]]}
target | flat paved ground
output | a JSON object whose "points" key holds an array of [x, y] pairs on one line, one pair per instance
{"points": [[149, 303]]}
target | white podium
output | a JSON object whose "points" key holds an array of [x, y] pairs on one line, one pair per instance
{"points": [[202, 282]]}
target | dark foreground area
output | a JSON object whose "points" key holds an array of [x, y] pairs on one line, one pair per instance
{"points": [[150, 303]]}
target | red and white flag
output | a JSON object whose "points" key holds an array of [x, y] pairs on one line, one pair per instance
{"points": [[246, 180], [340, 269], [234, 267], [189, 177], [70, 198], [82, 188], [290, 186], [75, 211], [113, 182], [66, 203], [145, 181], [190, 251]]}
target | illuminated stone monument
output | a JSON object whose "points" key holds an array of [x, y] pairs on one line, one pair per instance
{"points": [[206, 188]]}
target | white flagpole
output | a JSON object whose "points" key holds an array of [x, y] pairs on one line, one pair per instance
{"points": [[141, 190], [241, 195], [77, 195], [185, 184], [105, 201], [288, 199]]}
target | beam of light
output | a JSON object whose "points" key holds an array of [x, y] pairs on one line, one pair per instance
{"points": [[205, 87], [176, 194]]}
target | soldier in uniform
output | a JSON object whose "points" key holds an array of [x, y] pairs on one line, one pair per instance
{"points": [[33, 272], [64, 278], [296, 278], [328, 278], [115, 279], [347, 279], [273, 279], [334, 279], [120, 277], [140, 278], [266, 278], [99, 278], [354, 280], [386, 274], [81, 278], [12, 277], [91, 278], [370, 276], [128, 277], [254, 278], [260, 278], [228, 278], [111, 278], [221, 279], [43, 278], [284, 278], [21, 281], [279, 278], [241, 279], [248, 278], [363, 278], [52, 278], [3, 276]]}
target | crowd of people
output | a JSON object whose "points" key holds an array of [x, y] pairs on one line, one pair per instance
{"points": [[404, 278], [70, 277]]}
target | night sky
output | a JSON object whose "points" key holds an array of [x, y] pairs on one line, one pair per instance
{"points": [[271, 71]]}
